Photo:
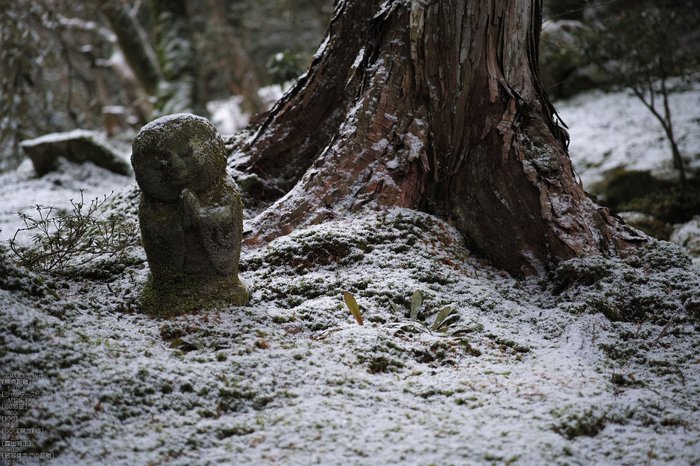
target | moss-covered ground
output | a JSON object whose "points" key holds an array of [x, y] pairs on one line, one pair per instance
{"points": [[598, 363]]}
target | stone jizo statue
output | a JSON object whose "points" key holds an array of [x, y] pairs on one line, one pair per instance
{"points": [[190, 214]]}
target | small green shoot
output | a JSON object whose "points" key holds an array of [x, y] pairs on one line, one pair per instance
{"points": [[187, 344], [416, 301], [440, 319], [353, 306]]}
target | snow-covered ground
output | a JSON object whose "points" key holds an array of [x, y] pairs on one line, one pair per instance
{"points": [[22, 191], [598, 365]]}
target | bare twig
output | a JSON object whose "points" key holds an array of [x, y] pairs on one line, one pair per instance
{"points": [[647, 320], [72, 239], [665, 329]]}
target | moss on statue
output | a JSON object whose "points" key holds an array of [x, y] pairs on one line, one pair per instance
{"points": [[182, 294]]}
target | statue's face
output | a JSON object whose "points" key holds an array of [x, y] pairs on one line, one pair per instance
{"points": [[171, 168], [176, 154]]}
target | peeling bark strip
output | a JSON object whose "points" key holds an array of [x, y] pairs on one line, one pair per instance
{"points": [[434, 105], [507, 129], [417, 25]]}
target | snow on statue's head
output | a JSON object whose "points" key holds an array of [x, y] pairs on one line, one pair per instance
{"points": [[178, 152], [190, 214]]}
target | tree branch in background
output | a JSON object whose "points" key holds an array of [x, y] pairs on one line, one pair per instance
{"points": [[640, 49], [177, 56], [134, 43], [230, 58]]}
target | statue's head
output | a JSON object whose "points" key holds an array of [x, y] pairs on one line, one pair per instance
{"points": [[178, 152]]}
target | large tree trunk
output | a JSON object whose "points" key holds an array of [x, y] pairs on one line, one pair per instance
{"points": [[435, 105]]}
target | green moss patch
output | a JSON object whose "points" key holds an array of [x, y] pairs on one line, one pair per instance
{"points": [[663, 201], [19, 279], [658, 280], [181, 294], [573, 424]]}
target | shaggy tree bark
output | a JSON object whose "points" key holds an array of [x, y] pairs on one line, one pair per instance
{"points": [[437, 105]]}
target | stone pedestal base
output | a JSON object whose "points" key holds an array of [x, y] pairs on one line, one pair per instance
{"points": [[186, 293]]}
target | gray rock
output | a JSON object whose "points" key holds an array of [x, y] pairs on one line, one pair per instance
{"points": [[78, 146], [190, 214]]}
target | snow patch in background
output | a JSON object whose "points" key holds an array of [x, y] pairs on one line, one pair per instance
{"points": [[227, 115], [271, 94], [687, 235], [611, 130], [21, 191]]}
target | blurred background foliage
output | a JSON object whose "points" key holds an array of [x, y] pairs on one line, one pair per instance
{"points": [[612, 43], [651, 48], [62, 66]]}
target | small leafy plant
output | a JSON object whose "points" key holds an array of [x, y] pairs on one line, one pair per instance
{"points": [[73, 239], [441, 324]]}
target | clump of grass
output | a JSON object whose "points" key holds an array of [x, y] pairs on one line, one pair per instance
{"points": [[587, 424], [237, 430], [380, 364]]}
